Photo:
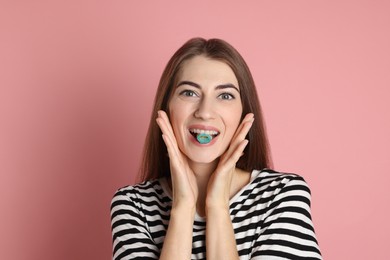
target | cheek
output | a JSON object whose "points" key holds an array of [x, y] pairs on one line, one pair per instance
{"points": [[174, 123], [179, 112], [234, 125], [234, 119], [172, 114], [176, 119], [231, 127]]}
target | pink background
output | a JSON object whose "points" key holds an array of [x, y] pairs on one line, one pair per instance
{"points": [[77, 81]]}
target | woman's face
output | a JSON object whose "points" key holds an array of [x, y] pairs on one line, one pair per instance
{"points": [[206, 97]]}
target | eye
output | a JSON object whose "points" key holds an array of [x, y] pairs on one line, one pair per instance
{"points": [[188, 93], [226, 96]]}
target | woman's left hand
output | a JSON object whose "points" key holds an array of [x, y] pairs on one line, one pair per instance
{"points": [[219, 185]]}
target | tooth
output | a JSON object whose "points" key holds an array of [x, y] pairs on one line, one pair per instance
{"points": [[201, 131]]}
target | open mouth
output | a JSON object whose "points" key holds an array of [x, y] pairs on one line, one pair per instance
{"points": [[203, 136]]}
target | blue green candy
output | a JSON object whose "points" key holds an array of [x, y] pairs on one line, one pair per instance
{"points": [[204, 138]]}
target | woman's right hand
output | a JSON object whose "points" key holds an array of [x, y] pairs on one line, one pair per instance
{"points": [[184, 186]]}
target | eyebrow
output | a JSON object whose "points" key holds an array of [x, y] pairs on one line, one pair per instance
{"points": [[222, 86]]}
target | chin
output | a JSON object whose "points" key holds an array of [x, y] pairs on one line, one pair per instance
{"points": [[204, 158]]}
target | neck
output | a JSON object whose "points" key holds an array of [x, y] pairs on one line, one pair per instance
{"points": [[203, 172]]}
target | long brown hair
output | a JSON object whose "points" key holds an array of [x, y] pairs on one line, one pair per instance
{"points": [[155, 162]]}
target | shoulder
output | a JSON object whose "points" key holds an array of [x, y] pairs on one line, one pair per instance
{"points": [[281, 184], [286, 217], [140, 195], [145, 188], [278, 179], [271, 174]]}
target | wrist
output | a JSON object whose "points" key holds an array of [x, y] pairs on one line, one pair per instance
{"points": [[183, 211], [217, 204], [217, 209]]}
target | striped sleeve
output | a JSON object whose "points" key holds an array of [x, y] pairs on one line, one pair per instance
{"points": [[131, 236], [287, 228]]}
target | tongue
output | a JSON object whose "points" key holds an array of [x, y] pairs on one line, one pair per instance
{"points": [[204, 138]]}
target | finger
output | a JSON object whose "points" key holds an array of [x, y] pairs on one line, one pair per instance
{"points": [[171, 148], [165, 126], [246, 126], [163, 115], [237, 153], [163, 123], [229, 161], [242, 130], [248, 117], [168, 136]]}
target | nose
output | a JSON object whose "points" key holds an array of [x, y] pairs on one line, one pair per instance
{"points": [[204, 110]]}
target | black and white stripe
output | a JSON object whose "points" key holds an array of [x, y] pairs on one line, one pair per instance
{"points": [[270, 216]]}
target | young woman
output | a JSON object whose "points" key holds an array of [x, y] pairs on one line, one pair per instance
{"points": [[207, 189]]}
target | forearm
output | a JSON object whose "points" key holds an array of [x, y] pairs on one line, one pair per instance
{"points": [[220, 239], [178, 239]]}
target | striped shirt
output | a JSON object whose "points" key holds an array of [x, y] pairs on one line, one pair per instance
{"points": [[270, 216]]}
